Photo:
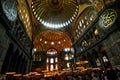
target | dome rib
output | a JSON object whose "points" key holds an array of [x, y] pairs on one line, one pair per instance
{"points": [[55, 13]]}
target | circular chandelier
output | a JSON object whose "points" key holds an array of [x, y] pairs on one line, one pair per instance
{"points": [[55, 13]]}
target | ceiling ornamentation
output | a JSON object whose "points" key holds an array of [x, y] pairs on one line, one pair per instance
{"points": [[25, 16], [52, 40], [55, 13]]}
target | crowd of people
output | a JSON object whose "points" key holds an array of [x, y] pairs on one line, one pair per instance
{"points": [[108, 74]]}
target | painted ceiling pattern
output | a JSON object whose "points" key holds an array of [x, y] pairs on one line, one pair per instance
{"points": [[55, 13]]}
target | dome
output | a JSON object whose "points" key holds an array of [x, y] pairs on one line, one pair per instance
{"points": [[55, 13]]}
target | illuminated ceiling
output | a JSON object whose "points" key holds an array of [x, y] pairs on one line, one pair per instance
{"points": [[63, 12], [52, 39], [55, 13]]}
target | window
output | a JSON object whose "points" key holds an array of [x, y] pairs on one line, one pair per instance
{"points": [[56, 66], [68, 65], [51, 67], [56, 59], [51, 60], [47, 60]]}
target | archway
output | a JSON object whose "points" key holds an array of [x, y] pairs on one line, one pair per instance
{"points": [[104, 56], [7, 58], [13, 61], [18, 65]]}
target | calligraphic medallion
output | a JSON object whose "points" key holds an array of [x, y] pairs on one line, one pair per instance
{"points": [[107, 18], [10, 9]]}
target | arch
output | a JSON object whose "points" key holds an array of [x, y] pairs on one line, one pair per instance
{"points": [[51, 49], [95, 58], [7, 58], [18, 63], [21, 68], [102, 50], [104, 55], [25, 66], [13, 61]]}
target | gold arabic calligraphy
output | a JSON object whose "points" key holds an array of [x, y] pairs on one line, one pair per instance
{"points": [[109, 17]]}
